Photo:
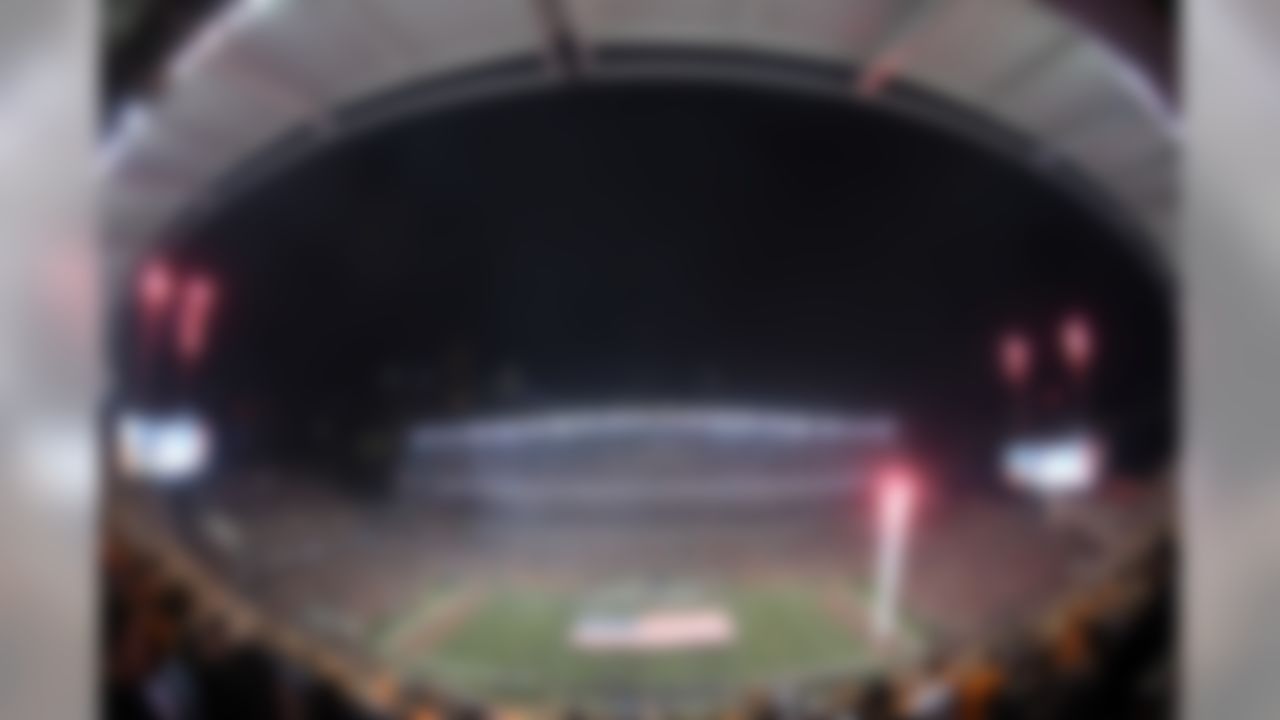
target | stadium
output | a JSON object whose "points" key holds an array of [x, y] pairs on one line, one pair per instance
{"points": [[583, 359], [644, 559]]}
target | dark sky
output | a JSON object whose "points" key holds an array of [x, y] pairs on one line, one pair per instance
{"points": [[639, 241]]}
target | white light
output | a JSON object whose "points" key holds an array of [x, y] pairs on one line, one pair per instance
{"points": [[1054, 466], [895, 504], [165, 450]]}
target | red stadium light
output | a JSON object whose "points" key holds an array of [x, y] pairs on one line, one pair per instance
{"points": [[1076, 340], [897, 494], [199, 299], [1016, 357], [156, 286]]}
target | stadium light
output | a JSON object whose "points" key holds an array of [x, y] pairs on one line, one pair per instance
{"points": [[199, 297], [155, 287], [1076, 340], [1015, 356], [896, 497]]}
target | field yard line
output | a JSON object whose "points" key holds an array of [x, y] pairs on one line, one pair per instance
{"points": [[840, 606], [449, 616], [395, 628]]}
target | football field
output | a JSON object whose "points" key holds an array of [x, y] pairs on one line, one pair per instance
{"points": [[518, 642]]}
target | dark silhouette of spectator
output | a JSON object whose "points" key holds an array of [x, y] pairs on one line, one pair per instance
{"points": [[930, 695], [236, 680], [326, 701], [877, 701]]}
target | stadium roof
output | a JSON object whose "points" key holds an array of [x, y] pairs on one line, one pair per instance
{"points": [[267, 81]]}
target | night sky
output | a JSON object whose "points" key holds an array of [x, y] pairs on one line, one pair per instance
{"points": [[667, 242]]}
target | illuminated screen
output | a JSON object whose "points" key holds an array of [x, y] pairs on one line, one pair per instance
{"points": [[1053, 466], [162, 449]]}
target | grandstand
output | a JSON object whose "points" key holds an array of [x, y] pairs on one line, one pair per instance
{"points": [[698, 598]]}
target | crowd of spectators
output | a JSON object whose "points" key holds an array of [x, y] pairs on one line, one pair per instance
{"points": [[166, 655], [1107, 655], [165, 658]]}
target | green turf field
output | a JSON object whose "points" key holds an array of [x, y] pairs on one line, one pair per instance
{"points": [[514, 643]]}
